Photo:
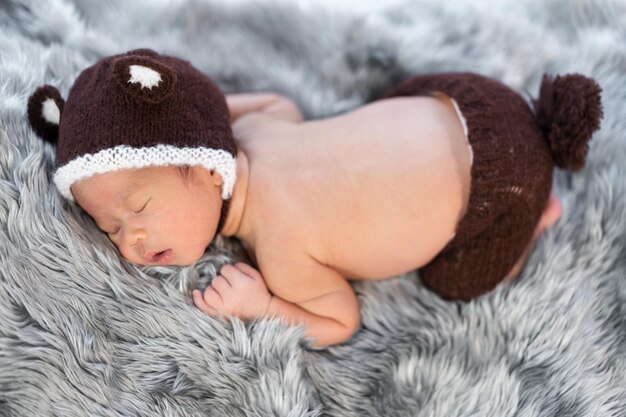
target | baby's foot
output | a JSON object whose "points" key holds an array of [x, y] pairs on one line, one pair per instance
{"points": [[550, 215]]}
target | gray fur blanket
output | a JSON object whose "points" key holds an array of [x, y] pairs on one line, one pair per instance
{"points": [[83, 332]]}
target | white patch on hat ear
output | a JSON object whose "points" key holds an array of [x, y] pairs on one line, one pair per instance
{"points": [[50, 111], [147, 77]]}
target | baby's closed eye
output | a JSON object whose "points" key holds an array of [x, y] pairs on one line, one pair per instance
{"points": [[116, 230], [144, 206]]}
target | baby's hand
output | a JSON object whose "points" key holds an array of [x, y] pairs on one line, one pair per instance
{"points": [[239, 291]]}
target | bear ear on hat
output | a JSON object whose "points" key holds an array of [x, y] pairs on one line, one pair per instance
{"points": [[45, 107], [142, 51], [144, 78]]}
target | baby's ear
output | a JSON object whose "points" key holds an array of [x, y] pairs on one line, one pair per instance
{"points": [[216, 177], [45, 107]]}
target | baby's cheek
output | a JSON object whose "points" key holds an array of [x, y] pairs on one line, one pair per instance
{"points": [[111, 238], [188, 220]]}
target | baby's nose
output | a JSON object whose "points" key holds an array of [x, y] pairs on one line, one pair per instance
{"points": [[134, 238], [134, 251]]}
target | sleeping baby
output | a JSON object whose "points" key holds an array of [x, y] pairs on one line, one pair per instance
{"points": [[448, 174]]}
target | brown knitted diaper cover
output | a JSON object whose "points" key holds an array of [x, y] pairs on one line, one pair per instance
{"points": [[511, 179]]}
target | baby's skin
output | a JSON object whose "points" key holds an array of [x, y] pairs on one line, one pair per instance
{"points": [[365, 195]]}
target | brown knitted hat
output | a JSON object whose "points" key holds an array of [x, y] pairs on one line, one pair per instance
{"points": [[515, 147], [135, 110]]}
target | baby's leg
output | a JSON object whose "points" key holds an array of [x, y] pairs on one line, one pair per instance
{"points": [[549, 216], [480, 263]]}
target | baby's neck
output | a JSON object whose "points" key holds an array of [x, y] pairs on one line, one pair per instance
{"points": [[236, 225]]}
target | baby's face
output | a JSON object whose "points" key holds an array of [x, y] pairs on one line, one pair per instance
{"points": [[150, 210]]}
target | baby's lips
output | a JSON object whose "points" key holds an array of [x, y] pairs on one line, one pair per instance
{"points": [[163, 257], [149, 256]]}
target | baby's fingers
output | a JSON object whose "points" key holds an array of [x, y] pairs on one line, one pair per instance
{"points": [[221, 285], [248, 270], [199, 302]]}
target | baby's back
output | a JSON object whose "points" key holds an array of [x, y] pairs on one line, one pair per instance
{"points": [[371, 193]]}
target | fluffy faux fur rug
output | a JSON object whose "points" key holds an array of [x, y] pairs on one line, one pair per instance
{"points": [[83, 332]]}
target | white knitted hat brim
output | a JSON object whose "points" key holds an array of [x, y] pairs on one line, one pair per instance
{"points": [[127, 157]]}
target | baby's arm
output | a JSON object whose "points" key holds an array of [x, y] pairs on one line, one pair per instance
{"points": [[271, 104], [306, 293], [329, 318], [309, 293]]}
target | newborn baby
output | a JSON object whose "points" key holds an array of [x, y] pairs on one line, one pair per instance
{"points": [[442, 174]]}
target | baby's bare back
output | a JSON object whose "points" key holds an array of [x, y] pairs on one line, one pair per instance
{"points": [[372, 193]]}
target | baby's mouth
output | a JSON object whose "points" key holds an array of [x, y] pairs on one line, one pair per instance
{"points": [[162, 257]]}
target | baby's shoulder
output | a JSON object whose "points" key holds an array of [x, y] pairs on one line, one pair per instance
{"points": [[254, 120]]}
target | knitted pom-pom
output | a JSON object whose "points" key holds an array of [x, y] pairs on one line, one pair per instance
{"points": [[568, 111], [45, 107]]}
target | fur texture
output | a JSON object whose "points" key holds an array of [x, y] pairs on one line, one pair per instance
{"points": [[82, 332]]}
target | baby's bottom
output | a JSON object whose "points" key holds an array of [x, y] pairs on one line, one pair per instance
{"points": [[497, 237], [511, 175], [434, 279]]}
